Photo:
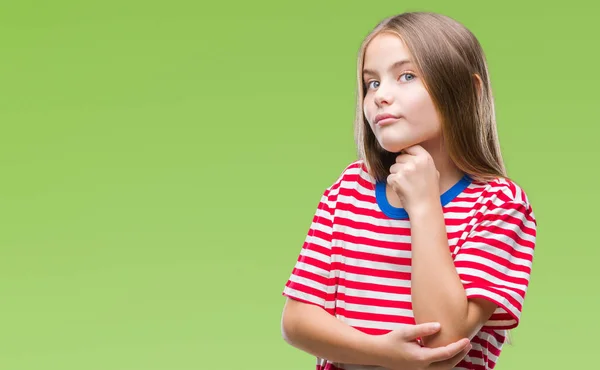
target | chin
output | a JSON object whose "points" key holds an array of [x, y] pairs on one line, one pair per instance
{"points": [[393, 146], [393, 149]]}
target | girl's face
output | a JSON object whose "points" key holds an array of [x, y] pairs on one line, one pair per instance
{"points": [[394, 88]]}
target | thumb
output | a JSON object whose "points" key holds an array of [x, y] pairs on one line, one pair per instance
{"points": [[420, 330]]}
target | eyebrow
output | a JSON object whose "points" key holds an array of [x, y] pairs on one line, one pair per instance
{"points": [[394, 66]]}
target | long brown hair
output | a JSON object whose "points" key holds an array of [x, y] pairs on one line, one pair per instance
{"points": [[455, 73]]}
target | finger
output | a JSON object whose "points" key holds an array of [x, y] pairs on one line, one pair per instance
{"points": [[414, 150], [420, 330], [451, 362], [403, 158], [397, 167], [391, 181], [447, 352]]}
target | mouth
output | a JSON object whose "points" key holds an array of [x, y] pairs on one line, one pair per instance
{"points": [[384, 119]]}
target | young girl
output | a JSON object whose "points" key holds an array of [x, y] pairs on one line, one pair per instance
{"points": [[419, 255]]}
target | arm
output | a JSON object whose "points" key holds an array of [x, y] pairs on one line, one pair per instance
{"points": [[487, 281], [437, 291], [313, 330], [307, 323]]}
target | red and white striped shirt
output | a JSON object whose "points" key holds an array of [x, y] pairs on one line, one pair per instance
{"points": [[356, 259]]}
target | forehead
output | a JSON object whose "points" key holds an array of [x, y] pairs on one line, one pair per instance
{"points": [[384, 50]]}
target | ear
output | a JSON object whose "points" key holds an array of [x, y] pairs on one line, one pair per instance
{"points": [[478, 82]]}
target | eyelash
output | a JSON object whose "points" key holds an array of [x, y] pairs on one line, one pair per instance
{"points": [[405, 73]]}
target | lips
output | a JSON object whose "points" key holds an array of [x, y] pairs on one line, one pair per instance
{"points": [[385, 118]]}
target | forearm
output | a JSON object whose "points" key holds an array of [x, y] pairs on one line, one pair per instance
{"points": [[311, 329], [437, 292]]}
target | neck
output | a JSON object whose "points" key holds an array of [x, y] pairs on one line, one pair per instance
{"points": [[449, 173]]}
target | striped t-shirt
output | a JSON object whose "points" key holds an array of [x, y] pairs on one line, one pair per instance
{"points": [[356, 259]]}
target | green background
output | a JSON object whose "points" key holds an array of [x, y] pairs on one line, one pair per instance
{"points": [[161, 163]]}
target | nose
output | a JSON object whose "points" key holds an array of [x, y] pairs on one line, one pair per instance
{"points": [[383, 96]]}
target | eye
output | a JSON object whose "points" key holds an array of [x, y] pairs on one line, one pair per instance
{"points": [[369, 84], [409, 76]]}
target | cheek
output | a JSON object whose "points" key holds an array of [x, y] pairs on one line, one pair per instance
{"points": [[368, 109], [421, 109]]}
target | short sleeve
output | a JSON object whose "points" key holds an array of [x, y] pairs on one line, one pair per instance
{"points": [[311, 280], [495, 261]]}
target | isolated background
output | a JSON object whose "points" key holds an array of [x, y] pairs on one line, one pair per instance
{"points": [[161, 162]]}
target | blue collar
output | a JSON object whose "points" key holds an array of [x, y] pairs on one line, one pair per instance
{"points": [[400, 213]]}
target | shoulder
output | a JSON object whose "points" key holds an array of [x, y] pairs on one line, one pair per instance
{"points": [[353, 172], [503, 190], [503, 193]]}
